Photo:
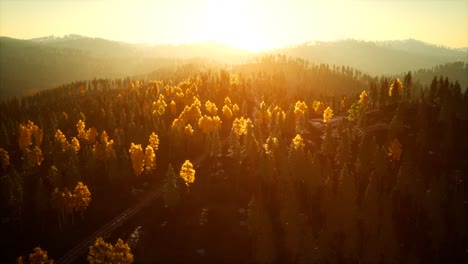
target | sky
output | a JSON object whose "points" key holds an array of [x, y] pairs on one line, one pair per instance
{"points": [[249, 24]]}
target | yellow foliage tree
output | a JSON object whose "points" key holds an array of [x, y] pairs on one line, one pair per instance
{"points": [[122, 253], [82, 197], [39, 256], [211, 108], [105, 148], [187, 173], [173, 107], [75, 144], [270, 146], [150, 159], [298, 143], [395, 88], [239, 125], [80, 127], [62, 140], [105, 253], [208, 124], [4, 158], [188, 130], [300, 108], [318, 107], [91, 135], [26, 133], [154, 141], [364, 100], [159, 107], [36, 156], [327, 115], [227, 112], [138, 158]]}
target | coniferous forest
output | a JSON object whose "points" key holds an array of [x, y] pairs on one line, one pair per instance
{"points": [[278, 160]]}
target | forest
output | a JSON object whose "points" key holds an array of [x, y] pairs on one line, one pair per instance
{"points": [[278, 160]]}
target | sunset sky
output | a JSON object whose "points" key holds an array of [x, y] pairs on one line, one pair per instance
{"points": [[254, 24]]}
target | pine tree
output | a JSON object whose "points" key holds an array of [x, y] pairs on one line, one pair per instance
{"points": [[170, 188], [261, 232]]}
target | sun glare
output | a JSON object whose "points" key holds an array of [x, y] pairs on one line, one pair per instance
{"points": [[234, 23]]}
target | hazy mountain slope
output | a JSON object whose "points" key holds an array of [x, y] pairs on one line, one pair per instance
{"points": [[27, 66], [30, 65], [378, 58], [454, 71]]}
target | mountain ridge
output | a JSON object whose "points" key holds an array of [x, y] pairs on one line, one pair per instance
{"points": [[45, 62]]}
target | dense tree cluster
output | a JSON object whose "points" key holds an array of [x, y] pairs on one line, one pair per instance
{"points": [[331, 163]]}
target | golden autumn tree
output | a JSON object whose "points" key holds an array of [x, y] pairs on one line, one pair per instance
{"points": [[122, 253], [75, 144], [239, 125], [61, 140], [36, 156], [173, 107], [102, 252], [82, 197], [150, 159], [298, 143], [4, 159], [364, 100], [30, 138], [300, 110], [104, 149], [81, 128], [159, 107], [208, 124], [227, 112], [91, 135], [29, 134], [188, 130], [187, 173], [137, 157], [396, 88], [318, 107], [211, 108], [39, 256], [154, 141], [327, 115]]}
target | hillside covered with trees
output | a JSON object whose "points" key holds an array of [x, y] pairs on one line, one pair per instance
{"points": [[278, 160], [32, 65]]}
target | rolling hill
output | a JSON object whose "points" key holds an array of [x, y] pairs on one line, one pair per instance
{"points": [[27, 66]]}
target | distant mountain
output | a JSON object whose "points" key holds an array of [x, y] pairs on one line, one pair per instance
{"points": [[27, 66], [378, 58]]}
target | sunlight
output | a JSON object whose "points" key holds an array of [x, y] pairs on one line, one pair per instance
{"points": [[234, 23]]}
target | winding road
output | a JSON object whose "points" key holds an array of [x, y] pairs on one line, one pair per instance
{"points": [[82, 248]]}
